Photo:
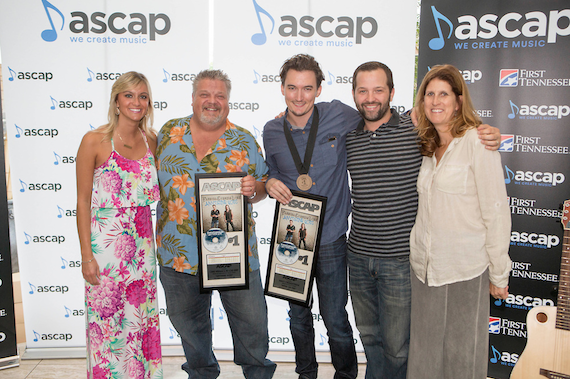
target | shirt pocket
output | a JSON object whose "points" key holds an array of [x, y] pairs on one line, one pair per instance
{"points": [[424, 180], [327, 149], [453, 179]]}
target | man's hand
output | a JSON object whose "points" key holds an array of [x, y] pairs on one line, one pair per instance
{"points": [[489, 136], [248, 186], [279, 191]]}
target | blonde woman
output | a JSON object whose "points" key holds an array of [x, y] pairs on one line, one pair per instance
{"points": [[116, 183]]}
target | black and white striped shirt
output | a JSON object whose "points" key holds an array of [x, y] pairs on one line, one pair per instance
{"points": [[383, 166]]}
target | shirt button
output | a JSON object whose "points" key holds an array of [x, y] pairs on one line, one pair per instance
{"points": [[332, 145]]}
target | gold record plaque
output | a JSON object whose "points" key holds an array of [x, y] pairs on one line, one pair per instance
{"points": [[222, 232], [297, 229]]}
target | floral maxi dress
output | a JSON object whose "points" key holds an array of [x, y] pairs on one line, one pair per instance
{"points": [[123, 337]]}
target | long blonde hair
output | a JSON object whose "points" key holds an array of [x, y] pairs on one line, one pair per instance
{"points": [[125, 82], [464, 119]]}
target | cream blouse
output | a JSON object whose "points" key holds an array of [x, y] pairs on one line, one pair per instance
{"points": [[463, 223]]}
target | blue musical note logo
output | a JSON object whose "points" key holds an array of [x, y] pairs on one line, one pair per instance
{"points": [[12, 74], [36, 336], [222, 313], [498, 302], [91, 127], [257, 76], [91, 75], [18, 131], [166, 75], [510, 175], [57, 158], [60, 211], [28, 238], [496, 355], [50, 35], [438, 42], [323, 340], [261, 38], [53, 103], [32, 288], [514, 110], [288, 318], [257, 132], [173, 333], [23, 184], [67, 312], [64, 263], [331, 78]]}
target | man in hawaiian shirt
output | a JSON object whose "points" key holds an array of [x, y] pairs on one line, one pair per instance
{"points": [[206, 142]]}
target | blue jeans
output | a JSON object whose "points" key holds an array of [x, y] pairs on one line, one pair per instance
{"points": [[333, 295], [381, 298], [189, 312]]}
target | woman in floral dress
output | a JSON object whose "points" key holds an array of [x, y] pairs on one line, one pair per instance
{"points": [[116, 183]]}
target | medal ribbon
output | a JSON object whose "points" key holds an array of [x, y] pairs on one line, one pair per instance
{"points": [[303, 167]]}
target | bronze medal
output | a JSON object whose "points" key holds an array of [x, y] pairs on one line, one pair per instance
{"points": [[304, 182]]}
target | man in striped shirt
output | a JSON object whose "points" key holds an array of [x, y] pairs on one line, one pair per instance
{"points": [[384, 161]]}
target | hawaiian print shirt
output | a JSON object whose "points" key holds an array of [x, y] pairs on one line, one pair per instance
{"points": [[176, 229]]}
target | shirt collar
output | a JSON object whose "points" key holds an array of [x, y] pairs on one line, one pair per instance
{"points": [[393, 121]]}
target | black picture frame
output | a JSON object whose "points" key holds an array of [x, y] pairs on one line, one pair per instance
{"points": [[291, 269], [223, 262]]}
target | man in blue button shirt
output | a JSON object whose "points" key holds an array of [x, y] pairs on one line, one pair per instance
{"points": [[301, 79]]}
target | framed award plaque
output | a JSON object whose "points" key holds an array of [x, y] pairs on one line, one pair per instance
{"points": [[294, 248], [222, 232]]}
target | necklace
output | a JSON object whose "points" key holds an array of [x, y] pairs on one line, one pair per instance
{"points": [[124, 144]]}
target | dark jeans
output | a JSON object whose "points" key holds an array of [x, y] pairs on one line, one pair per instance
{"points": [[189, 312], [380, 291], [331, 275]]}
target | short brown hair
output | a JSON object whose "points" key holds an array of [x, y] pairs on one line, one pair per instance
{"points": [[373, 66], [302, 62]]}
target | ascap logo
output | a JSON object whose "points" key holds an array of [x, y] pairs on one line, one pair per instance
{"points": [[68, 104], [244, 106], [535, 240], [304, 205], [341, 31], [534, 178], [35, 132], [221, 186], [177, 77], [265, 78], [47, 289], [102, 75], [279, 340], [504, 358], [40, 186], [510, 25], [137, 27], [43, 239], [525, 302], [44, 76], [52, 336], [471, 76]]}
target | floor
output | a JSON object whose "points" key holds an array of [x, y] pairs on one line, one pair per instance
{"points": [[75, 369]]}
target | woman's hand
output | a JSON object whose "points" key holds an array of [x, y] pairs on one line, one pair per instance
{"points": [[498, 293], [90, 271]]}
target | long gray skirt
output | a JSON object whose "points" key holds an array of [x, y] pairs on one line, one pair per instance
{"points": [[449, 333]]}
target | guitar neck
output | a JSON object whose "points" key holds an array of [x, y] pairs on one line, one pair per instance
{"points": [[563, 306]]}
